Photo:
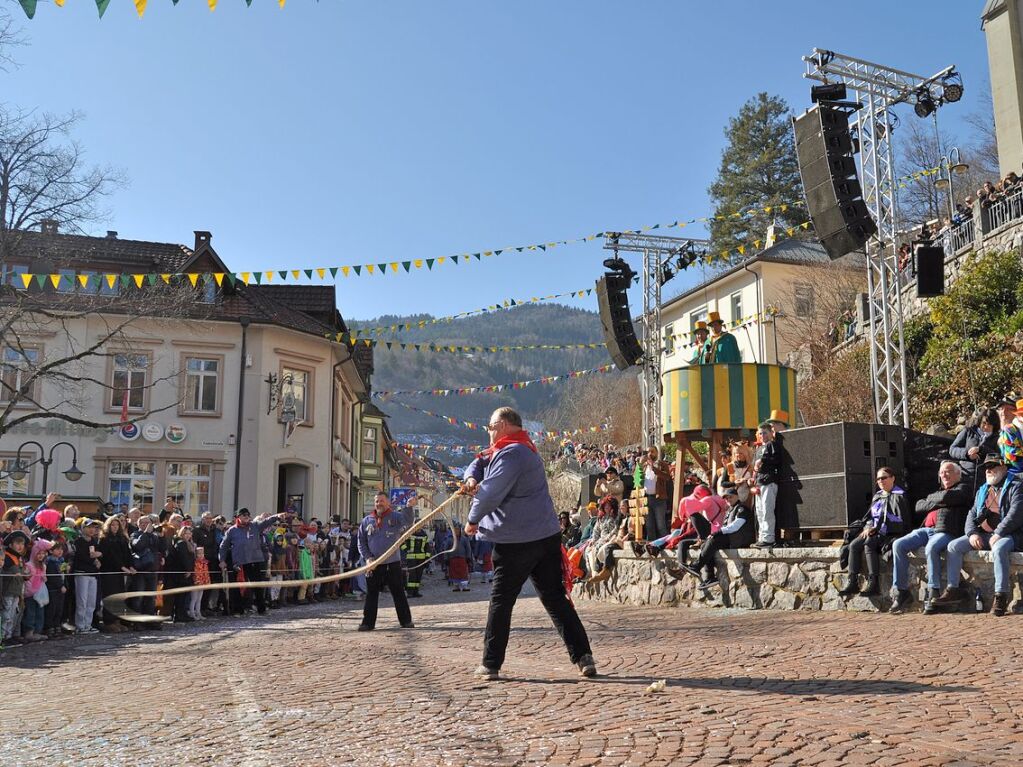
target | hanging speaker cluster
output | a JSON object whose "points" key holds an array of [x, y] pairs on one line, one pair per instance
{"points": [[834, 198], [616, 319]]}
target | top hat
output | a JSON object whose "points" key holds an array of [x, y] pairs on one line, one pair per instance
{"points": [[781, 416], [714, 317]]}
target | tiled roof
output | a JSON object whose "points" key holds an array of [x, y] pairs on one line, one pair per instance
{"points": [[131, 255]]}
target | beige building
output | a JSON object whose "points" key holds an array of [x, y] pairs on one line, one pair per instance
{"points": [[243, 398], [1002, 21], [773, 303]]}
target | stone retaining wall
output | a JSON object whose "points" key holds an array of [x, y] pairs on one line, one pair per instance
{"points": [[784, 579]]}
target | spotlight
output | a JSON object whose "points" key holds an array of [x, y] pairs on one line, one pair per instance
{"points": [[925, 105], [952, 87], [619, 264], [666, 273], [828, 92]]}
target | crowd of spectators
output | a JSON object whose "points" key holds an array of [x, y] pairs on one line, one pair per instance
{"points": [[60, 566]]}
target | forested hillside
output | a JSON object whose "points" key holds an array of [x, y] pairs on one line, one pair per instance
{"points": [[398, 369]]}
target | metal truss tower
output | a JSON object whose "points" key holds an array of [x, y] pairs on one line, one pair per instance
{"points": [[878, 88], [658, 254]]}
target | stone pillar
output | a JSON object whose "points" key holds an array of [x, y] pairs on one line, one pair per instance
{"points": [[1002, 22]]}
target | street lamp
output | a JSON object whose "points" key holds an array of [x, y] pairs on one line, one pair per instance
{"points": [[20, 470], [959, 167]]}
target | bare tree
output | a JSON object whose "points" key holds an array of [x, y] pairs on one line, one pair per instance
{"points": [[596, 400], [10, 38], [811, 322]]}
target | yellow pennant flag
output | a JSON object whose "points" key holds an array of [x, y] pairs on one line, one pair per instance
{"points": [[140, 7], [419, 263], [55, 279], [25, 280], [441, 260], [294, 274], [269, 276], [165, 278], [213, 5], [193, 278], [245, 277], [345, 270], [59, 3], [111, 279], [320, 272], [394, 266], [742, 250], [219, 277], [369, 268], [282, 3], [83, 279], [138, 279]]}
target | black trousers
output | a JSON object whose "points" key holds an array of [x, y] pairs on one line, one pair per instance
{"points": [[391, 577], [254, 571], [143, 581], [540, 561], [415, 573], [870, 547], [708, 554]]}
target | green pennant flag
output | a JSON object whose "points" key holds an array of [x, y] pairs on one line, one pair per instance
{"points": [[513, 303], [542, 247], [455, 259], [308, 273], [231, 279], [589, 290], [151, 279], [478, 256], [41, 280], [101, 6], [29, 7], [358, 269], [333, 271], [387, 344], [498, 252], [382, 268], [519, 249], [125, 280], [259, 277], [283, 275], [429, 264], [406, 265]]}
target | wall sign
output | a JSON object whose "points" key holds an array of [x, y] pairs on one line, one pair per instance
{"points": [[152, 431], [176, 433], [129, 432]]}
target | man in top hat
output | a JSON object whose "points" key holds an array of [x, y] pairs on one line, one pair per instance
{"points": [[995, 523], [1010, 439], [779, 420], [700, 333], [721, 346]]}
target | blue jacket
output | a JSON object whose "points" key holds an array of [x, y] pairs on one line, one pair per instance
{"points": [[244, 545], [512, 503], [375, 539], [1010, 504]]}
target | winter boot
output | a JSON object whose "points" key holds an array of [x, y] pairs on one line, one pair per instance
{"points": [[1000, 604], [850, 588], [949, 599], [873, 587], [902, 600]]}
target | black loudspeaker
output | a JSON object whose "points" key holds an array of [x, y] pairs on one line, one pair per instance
{"points": [[616, 320], [834, 198], [586, 490], [827, 477], [930, 271]]}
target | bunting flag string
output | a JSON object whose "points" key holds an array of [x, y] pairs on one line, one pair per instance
{"points": [[507, 303], [472, 425], [456, 449], [456, 349], [494, 387], [90, 281]]}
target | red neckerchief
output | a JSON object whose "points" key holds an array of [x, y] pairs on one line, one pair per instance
{"points": [[378, 518], [519, 437]]}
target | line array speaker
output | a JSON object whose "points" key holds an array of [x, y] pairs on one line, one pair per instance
{"points": [[616, 320], [834, 198]]}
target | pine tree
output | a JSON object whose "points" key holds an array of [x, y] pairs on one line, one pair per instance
{"points": [[758, 170]]}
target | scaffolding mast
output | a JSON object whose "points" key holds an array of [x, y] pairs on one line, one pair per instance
{"points": [[878, 88], [658, 253]]}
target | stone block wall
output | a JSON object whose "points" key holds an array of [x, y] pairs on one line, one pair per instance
{"points": [[782, 579]]}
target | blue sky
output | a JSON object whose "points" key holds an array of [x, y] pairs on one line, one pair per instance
{"points": [[349, 131]]}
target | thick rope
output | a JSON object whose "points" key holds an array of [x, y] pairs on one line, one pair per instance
{"points": [[130, 615]]}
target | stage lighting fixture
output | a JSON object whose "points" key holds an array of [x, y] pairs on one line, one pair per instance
{"points": [[952, 87], [618, 264], [828, 92], [666, 273], [925, 105]]}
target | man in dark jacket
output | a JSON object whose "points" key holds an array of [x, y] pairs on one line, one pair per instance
{"points": [[378, 532], [737, 532], [242, 550], [995, 523], [205, 534], [766, 465], [512, 508], [943, 513]]}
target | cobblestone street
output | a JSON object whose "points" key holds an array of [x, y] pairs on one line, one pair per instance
{"points": [[303, 687]]}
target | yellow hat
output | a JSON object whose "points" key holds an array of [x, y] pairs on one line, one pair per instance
{"points": [[591, 506], [714, 317], [781, 416], [700, 325]]}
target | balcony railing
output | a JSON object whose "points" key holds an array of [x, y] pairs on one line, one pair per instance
{"points": [[1003, 212]]}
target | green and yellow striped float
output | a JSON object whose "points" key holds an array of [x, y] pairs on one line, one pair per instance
{"points": [[725, 396]]}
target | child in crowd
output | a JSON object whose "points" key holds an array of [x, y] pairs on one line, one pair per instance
{"points": [[56, 585], [458, 562], [201, 578], [85, 565], [13, 575], [307, 571], [36, 594], [278, 565]]}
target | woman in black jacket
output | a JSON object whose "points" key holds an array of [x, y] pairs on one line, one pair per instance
{"points": [[179, 571], [979, 438], [145, 555], [113, 544], [883, 521]]}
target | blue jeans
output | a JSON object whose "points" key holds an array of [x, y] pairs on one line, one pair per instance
{"points": [[32, 621], [958, 548], [925, 536]]}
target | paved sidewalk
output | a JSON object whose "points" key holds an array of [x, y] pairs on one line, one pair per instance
{"points": [[302, 687]]}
